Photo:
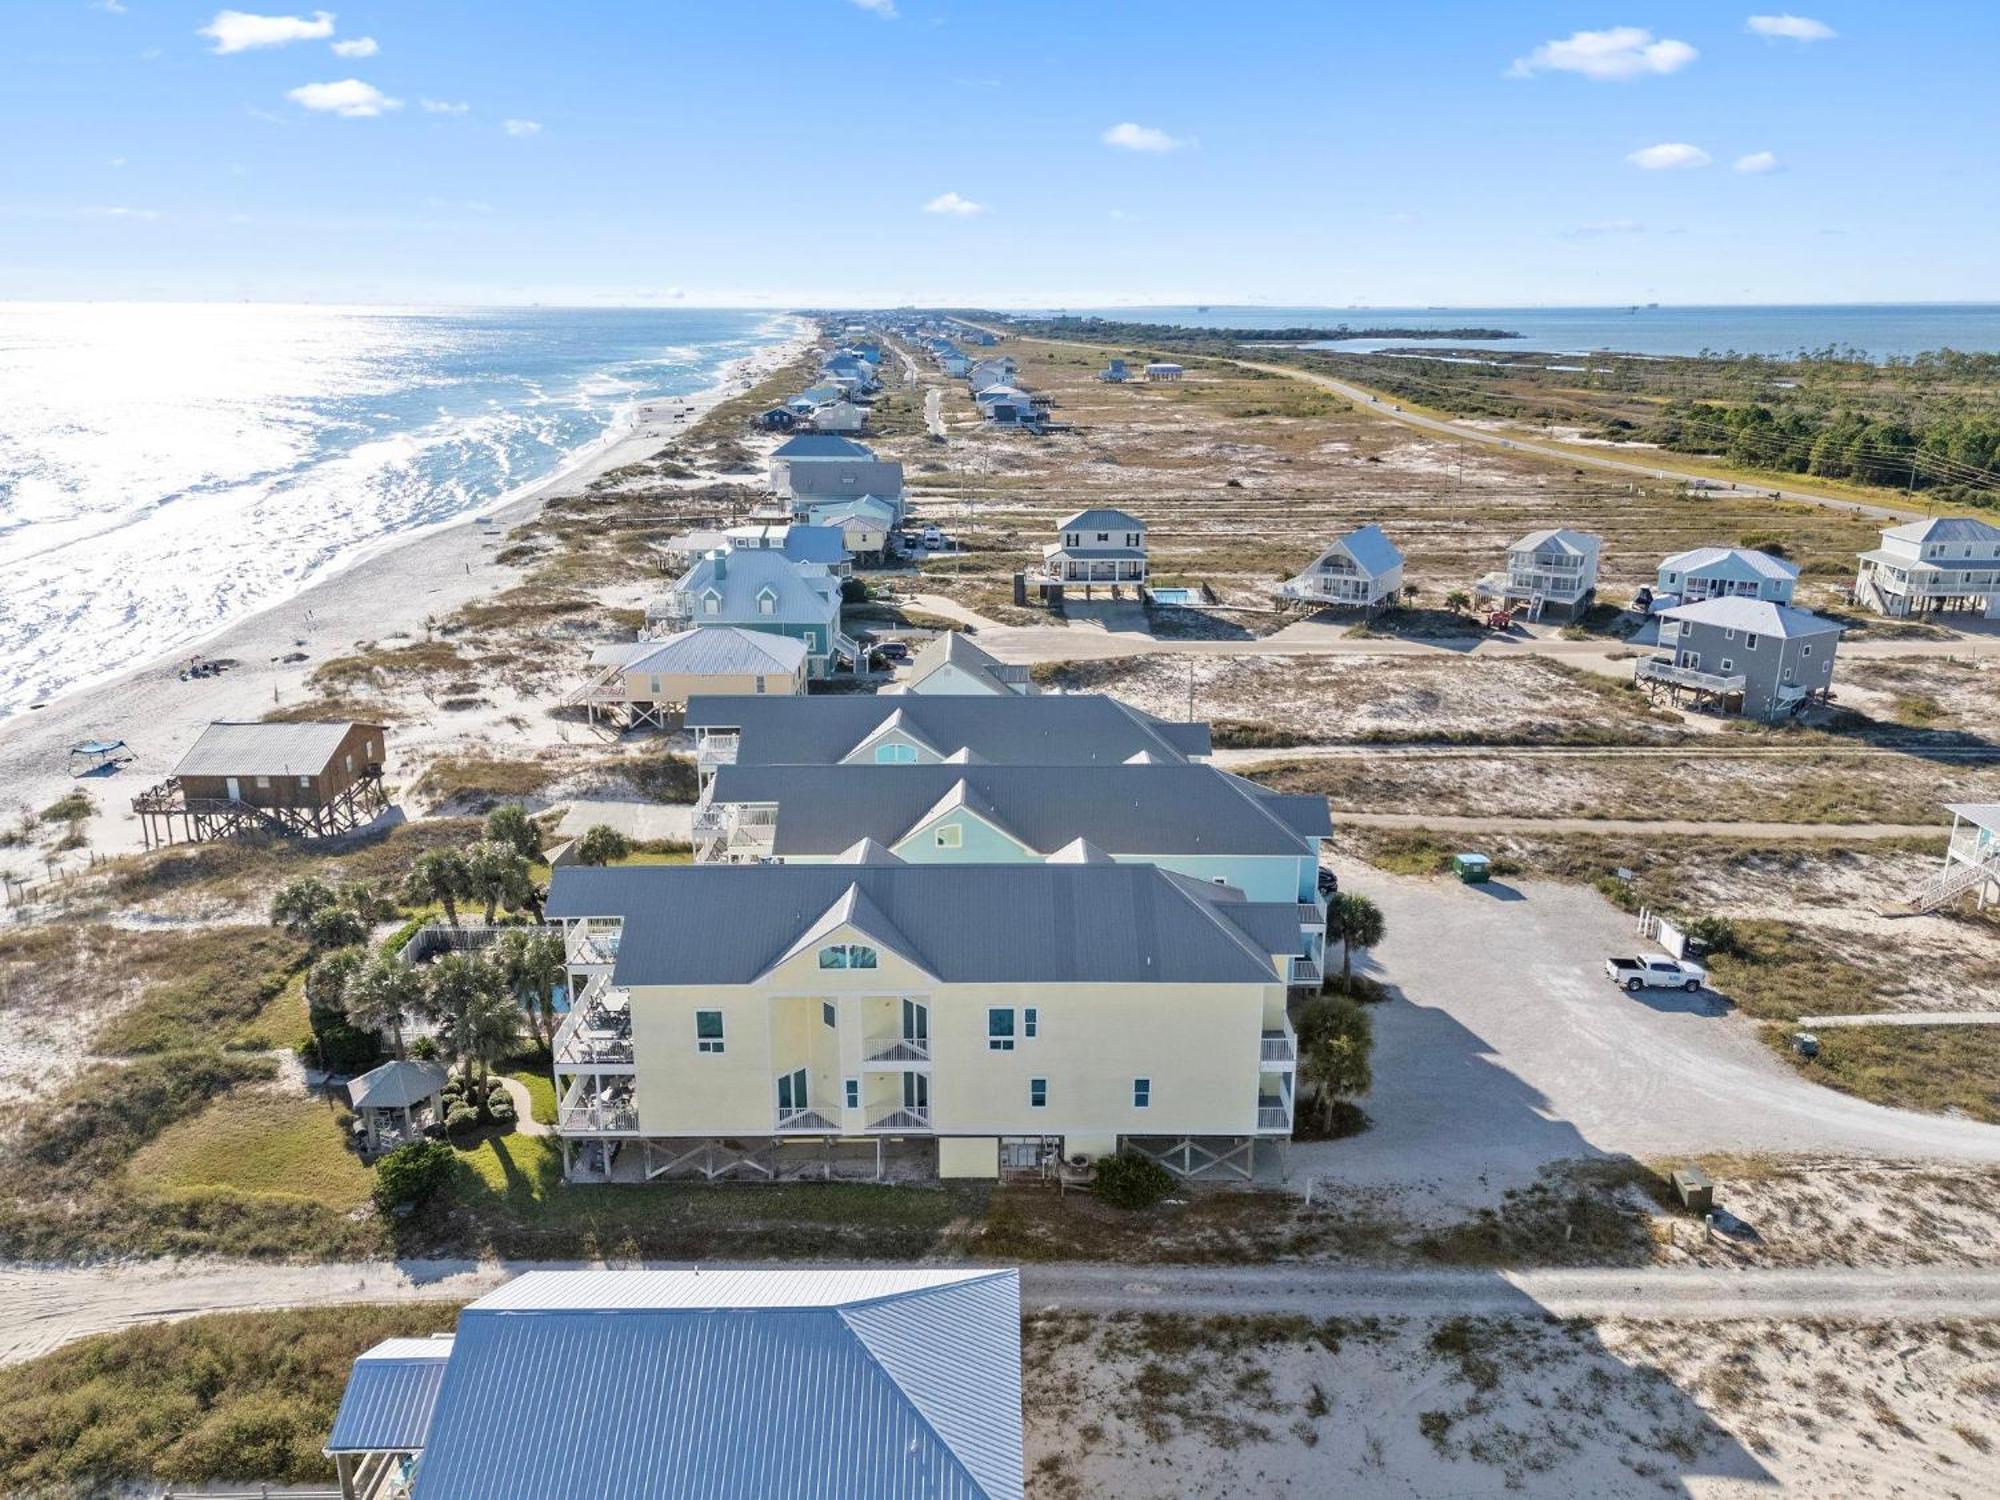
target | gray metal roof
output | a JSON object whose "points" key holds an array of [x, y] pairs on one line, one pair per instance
{"points": [[1122, 809], [805, 593], [822, 445], [707, 651], [1069, 729], [390, 1396], [1734, 562], [698, 1385], [248, 749], [1562, 539], [1758, 616], [955, 648], [1102, 518], [1945, 529], [1012, 924], [798, 541], [397, 1084], [1371, 550], [1984, 814]]}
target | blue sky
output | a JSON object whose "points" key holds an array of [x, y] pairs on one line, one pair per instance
{"points": [[1075, 152]]}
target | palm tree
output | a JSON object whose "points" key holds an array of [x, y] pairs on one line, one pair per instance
{"points": [[497, 874], [294, 907], [490, 1030], [512, 825], [601, 844], [382, 994], [336, 927], [1335, 1037], [366, 902], [534, 963], [1358, 923], [1458, 601], [440, 875], [459, 986]]}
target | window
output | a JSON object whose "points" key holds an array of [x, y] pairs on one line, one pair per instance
{"points": [[263, 781], [653, 686], [951, 836], [305, 781], [1729, 635], [760, 684], [767, 603], [847, 956], [828, 1013], [708, 1031], [1000, 1029], [1142, 1093], [1805, 650], [895, 755], [854, 1093], [1030, 1022], [1104, 536], [1038, 1093], [792, 1091], [350, 765], [1749, 642], [1727, 663], [1131, 538], [711, 604]]}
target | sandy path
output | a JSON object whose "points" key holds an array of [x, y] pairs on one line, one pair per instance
{"points": [[1909, 1018], [395, 588], [1437, 824], [43, 1308]]}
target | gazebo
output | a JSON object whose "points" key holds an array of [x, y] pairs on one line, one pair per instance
{"points": [[395, 1088]]}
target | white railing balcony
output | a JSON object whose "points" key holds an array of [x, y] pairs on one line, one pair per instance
{"points": [[1966, 844], [804, 1122], [711, 818], [578, 1045], [902, 1117], [896, 1050], [591, 949], [1663, 669], [1278, 1048], [597, 1119], [670, 608], [717, 750], [1273, 1117], [1302, 969]]}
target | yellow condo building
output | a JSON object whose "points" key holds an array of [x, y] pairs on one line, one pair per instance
{"points": [[874, 1018]]}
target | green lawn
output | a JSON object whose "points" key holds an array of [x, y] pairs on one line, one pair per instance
{"points": [[282, 1025], [541, 1091], [1930, 1068], [258, 1143], [238, 1396]]}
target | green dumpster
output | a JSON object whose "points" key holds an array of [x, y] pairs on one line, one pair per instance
{"points": [[1472, 868]]}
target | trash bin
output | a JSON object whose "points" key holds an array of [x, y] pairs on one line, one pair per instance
{"points": [[1472, 868], [1696, 1192]]}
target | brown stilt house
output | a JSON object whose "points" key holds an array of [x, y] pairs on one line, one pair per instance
{"points": [[293, 780]]}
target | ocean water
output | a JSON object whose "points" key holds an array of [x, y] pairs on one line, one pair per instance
{"points": [[1880, 330], [166, 469]]}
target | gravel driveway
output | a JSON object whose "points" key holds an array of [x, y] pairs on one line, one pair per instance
{"points": [[1508, 1049]]}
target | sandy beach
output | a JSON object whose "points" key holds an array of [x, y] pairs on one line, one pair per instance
{"points": [[384, 592]]}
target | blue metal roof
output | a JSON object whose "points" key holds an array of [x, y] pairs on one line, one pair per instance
{"points": [[914, 1395], [390, 1396]]}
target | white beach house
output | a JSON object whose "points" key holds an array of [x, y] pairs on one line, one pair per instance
{"points": [[1725, 573], [1547, 570], [1948, 563], [1362, 570]]}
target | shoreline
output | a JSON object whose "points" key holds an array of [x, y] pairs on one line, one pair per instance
{"points": [[387, 588]]}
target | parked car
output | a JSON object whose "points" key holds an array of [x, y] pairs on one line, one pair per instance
{"points": [[909, 541], [895, 653], [933, 538], [1655, 971]]}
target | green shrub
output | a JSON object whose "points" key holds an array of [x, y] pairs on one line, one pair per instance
{"points": [[412, 1175], [1133, 1181], [461, 1118], [500, 1109]]}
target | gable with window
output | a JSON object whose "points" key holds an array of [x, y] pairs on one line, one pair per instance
{"points": [[848, 956], [1000, 1029], [708, 1031]]}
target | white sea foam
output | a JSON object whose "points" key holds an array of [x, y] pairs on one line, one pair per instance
{"points": [[166, 469]]}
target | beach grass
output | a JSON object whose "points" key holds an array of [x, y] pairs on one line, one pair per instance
{"points": [[230, 1397], [260, 1143], [1936, 1069]]}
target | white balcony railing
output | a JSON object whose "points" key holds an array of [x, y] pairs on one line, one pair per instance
{"points": [[1662, 669], [1302, 969], [804, 1122], [578, 1045], [1274, 1117], [717, 750], [586, 949], [1278, 1047], [902, 1117], [896, 1049], [597, 1119]]}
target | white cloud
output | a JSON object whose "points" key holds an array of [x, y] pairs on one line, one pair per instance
{"points": [[239, 31], [120, 212], [521, 127], [1670, 156], [1616, 53], [116, 161], [886, 9], [109, 7], [459, 205], [1132, 137], [443, 107], [350, 98], [1758, 161], [360, 46], [1792, 28], [952, 203], [1606, 226]]}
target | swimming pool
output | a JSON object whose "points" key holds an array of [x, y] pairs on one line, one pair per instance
{"points": [[1178, 596]]}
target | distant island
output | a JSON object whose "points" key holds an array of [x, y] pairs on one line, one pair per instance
{"points": [[1184, 333]]}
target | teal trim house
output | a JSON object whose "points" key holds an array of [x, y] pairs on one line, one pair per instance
{"points": [[760, 589]]}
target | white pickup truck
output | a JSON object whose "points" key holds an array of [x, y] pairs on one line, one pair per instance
{"points": [[1655, 971]]}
